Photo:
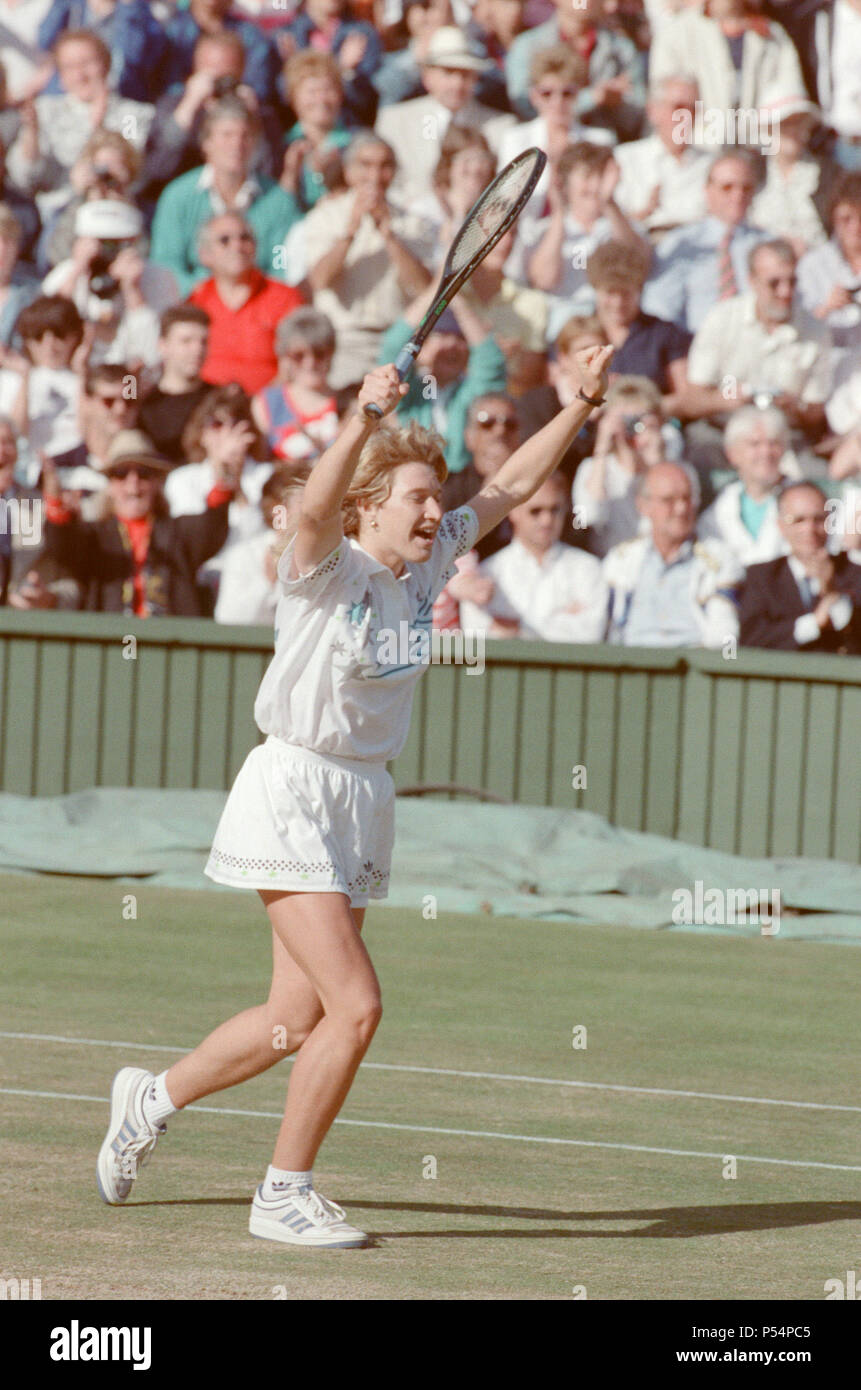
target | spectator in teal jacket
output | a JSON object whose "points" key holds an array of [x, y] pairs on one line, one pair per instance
{"points": [[225, 181], [459, 360]]}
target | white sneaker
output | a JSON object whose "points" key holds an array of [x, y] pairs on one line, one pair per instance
{"points": [[130, 1138], [303, 1217]]}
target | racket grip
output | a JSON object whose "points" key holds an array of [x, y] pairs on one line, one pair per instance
{"points": [[403, 363]]}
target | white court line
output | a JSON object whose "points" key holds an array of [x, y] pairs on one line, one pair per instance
{"points": [[468, 1133], [475, 1075]]}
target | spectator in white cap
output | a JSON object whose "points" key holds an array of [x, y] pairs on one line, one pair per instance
{"points": [[415, 129], [114, 288]]}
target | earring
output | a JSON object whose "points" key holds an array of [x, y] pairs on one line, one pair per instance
{"points": [[376, 525]]}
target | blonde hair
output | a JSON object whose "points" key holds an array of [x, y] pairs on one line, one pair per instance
{"points": [[387, 449], [626, 389]]}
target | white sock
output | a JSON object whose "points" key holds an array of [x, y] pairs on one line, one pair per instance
{"points": [[157, 1104], [281, 1180]]}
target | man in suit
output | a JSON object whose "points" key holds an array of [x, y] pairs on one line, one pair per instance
{"points": [[808, 600], [415, 129]]}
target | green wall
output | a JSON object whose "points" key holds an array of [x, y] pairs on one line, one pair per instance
{"points": [[757, 755]]}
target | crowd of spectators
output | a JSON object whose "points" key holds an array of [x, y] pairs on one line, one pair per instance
{"points": [[217, 215]]}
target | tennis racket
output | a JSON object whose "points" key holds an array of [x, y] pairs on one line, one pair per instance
{"points": [[485, 224]]}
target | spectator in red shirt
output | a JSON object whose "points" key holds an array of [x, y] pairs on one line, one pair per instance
{"points": [[244, 306]]}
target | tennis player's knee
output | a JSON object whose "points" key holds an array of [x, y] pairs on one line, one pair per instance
{"points": [[361, 1015]]}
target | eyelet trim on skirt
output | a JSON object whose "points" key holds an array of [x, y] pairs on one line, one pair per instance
{"points": [[369, 877]]}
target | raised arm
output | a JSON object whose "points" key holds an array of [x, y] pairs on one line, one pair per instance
{"points": [[320, 525], [532, 464]]}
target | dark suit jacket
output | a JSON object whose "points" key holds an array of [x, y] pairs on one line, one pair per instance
{"points": [[95, 553], [771, 601]]}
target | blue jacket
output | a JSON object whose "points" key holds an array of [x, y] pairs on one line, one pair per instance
{"points": [[261, 59], [138, 49]]}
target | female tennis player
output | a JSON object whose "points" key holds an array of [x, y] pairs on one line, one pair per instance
{"points": [[309, 820]]}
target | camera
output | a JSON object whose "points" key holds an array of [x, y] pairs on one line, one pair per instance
{"points": [[632, 425], [225, 86], [102, 284]]}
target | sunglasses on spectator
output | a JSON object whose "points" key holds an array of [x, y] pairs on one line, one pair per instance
{"points": [[776, 280], [730, 187], [220, 423], [125, 470], [110, 402], [486, 421], [298, 354], [243, 238]]}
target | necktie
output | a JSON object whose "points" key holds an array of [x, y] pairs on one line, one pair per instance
{"points": [[806, 592], [727, 286]]}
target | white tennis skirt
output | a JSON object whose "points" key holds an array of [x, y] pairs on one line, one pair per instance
{"points": [[306, 822]]}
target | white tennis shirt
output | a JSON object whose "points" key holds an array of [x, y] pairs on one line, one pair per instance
{"points": [[351, 640]]}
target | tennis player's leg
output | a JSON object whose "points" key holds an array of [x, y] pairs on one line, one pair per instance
{"points": [[244, 1046], [321, 933]]}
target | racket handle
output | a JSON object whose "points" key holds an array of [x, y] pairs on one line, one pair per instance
{"points": [[403, 364]]}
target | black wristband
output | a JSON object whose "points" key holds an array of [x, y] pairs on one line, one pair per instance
{"points": [[590, 400]]}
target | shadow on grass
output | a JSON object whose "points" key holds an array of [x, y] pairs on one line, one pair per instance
{"points": [[666, 1222]]}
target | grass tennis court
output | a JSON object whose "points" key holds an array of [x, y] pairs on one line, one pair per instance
{"points": [[723, 1015]]}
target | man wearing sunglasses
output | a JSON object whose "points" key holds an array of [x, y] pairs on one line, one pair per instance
{"points": [[244, 305], [140, 560], [763, 347]]}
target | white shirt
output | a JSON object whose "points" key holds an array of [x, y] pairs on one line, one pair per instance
{"points": [[843, 410], [245, 593], [572, 293], [187, 489], [19, 42], [845, 113], [784, 206], [818, 272], [732, 342], [647, 164], [722, 522], [613, 518], [538, 592], [52, 407], [335, 684]]}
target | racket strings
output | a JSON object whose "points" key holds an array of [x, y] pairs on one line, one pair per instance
{"points": [[494, 207]]}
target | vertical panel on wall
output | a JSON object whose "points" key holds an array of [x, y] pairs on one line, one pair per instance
{"points": [[148, 734], [535, 719], [568, 741], [847, 793], [727, 771], [696, 768], [242, 734], [817, 830], [756, 790], [629, 792], [85, 720], [441, 692], [181, 711], [472, 696], [789, 759], [407, 769], [662, 752], [22, 706], [213, 717], [501, 731], [599, 743], [119, 696], [53, 717]]}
